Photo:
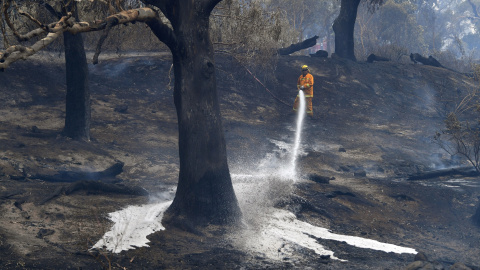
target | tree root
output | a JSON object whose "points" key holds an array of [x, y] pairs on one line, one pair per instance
{"points": [[465, 171]]}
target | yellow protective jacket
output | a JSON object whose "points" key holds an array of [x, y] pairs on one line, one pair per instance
{"points": [[307, 82]]}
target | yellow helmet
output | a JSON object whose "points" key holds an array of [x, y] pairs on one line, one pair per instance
{"points": [[304, 67]]}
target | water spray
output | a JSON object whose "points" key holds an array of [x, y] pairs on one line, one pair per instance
{"points": [[269, 230], [298, 133]]}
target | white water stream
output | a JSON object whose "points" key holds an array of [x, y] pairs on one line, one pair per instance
{"points": [[274, 232], [298, 135]]}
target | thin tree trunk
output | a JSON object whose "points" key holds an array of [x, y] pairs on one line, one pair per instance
{"points": [[77, 119], [77, 106], [343, 27]]}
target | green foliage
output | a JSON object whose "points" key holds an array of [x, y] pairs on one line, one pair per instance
{"points": [[461, 135], [461, 138]]}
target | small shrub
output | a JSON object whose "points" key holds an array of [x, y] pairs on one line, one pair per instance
{"points": [[461, 135]]}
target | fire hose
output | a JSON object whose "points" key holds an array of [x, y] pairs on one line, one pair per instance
{"points": [[266, 88]]}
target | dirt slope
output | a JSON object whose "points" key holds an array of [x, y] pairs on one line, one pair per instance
{"points": [[372, 127]]}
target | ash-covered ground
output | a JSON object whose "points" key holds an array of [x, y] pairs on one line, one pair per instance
{"points": [[373, 127]]}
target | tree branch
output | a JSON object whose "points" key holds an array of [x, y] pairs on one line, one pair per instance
{"points": [[161, 4], [5, 7], [128, 16], [37, 22], [16, 52], [163, 32], [166, 6], [50, 9], [102, 39], [209, 5]]}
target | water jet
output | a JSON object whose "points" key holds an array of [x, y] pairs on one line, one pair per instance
{"points": [[298, 136]]}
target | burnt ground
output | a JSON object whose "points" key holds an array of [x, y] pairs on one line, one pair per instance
{"points": [[373, 127]]}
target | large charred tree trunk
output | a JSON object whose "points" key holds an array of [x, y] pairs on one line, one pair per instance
{"points": [[205, 192], [77, 119], [344, 26]]}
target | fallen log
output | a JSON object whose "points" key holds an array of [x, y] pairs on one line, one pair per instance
{"points": [[320, 179], [97, 187], [320, 54], [307, 43], [430, 61], [463, 171], [372, 58], [73, 176]]}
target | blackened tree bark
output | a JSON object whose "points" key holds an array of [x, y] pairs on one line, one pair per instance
{"points": [[77, 106], [77, 119], [205, 192], [344, 26]]}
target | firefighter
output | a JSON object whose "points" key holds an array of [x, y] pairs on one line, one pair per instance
{"points": [[305, 83]]}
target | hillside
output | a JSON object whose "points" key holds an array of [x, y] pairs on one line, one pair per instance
{"points": [[373, 126]]}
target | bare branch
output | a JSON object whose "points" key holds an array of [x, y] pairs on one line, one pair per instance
{"points": [[210, 5], [2, 25], [14, 53], [119, 5], [128, 16], [51, 9], [17, 52], [166, 6], [102, 39], [65, 7], [163, 32], [5, 7], [37, 22]]}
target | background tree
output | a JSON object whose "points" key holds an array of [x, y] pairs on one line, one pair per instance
{"points": [[461, 31], [301, 14], [344, 26], [308, 18], [251, 32], [248, 31], [77, 103], [77, 117], [391, 32], [327, 12]]}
